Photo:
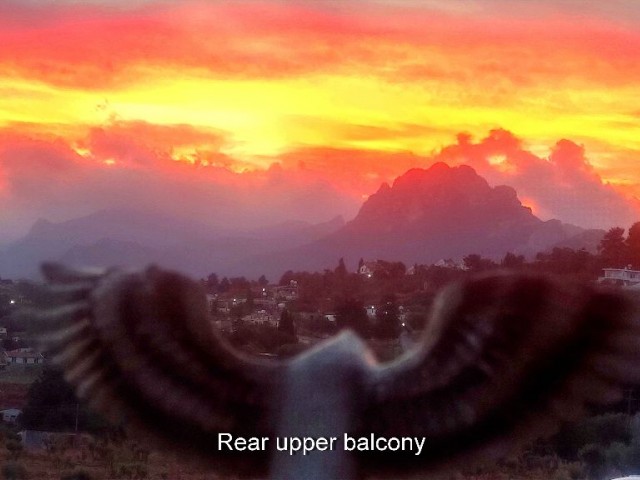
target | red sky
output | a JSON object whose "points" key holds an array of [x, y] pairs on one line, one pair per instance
{"points": [[250, 112]]}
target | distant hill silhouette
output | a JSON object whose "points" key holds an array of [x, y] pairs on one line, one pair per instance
{"points": [[134, 239], [431, 214], [426, 215]]}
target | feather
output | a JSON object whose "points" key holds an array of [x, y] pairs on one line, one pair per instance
{"points": [[504, 359], [139, 344], [516, 356]]}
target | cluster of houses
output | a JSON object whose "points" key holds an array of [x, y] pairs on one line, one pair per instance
{"points": [[268, 302], [26, 356], [623, 277], [21, 356], [368, 269], [9, 292], [371, 314], [18, 356]]}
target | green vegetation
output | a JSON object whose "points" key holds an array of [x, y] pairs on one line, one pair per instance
{"points": [[52, 406]]}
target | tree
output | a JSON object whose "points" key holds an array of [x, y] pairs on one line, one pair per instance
{"points": [[7, 302], [80, 475], [250, 303], [286, 325], [513, 261], [260, 338], [389, 270], [564, 260], [633, 245], [387, 318], [350, 313], [341, 269], [476, 263], [237, 311], [262, 281], [52, 406], [239, 284], [224, 286], [13, 470], [286, 278], [613, 249], [212, 283]]}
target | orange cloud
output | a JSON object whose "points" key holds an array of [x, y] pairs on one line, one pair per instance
{"points": [[344, 95], [52, 179], [359, 172], [117, 140], [135, 164], [94, 47], [358, 76]]}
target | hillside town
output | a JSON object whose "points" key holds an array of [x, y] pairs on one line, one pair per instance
{"points": [[385, 302]]}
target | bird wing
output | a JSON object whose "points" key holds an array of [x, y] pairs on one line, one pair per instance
{"points": [[140, 344], [503, 359]]}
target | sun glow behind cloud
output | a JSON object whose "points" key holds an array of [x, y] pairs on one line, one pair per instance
{"points": [[244, 85]]}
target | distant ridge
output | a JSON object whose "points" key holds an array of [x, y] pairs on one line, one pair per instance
{"points": [[132, 238], [424, 216], [430, 214]]}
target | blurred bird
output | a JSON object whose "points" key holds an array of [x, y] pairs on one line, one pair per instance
{"points": [[503, 359]]}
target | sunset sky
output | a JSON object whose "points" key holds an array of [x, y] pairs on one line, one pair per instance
{"points": [[250, 112]]}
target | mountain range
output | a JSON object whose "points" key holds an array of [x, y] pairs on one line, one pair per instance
{"points": [[424, 216], [132, 238]]}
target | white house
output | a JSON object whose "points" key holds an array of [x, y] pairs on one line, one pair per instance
{"points": [[286, 292], [368, 269], [10, 415], [261, 317], [449, 263], [24, 356], [620, 276], [330, 317]]}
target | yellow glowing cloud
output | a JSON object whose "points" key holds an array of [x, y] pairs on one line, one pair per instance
{"points": [[274, 79]]}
